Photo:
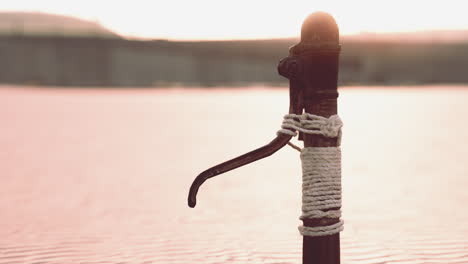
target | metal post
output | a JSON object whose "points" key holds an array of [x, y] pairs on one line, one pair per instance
{"points": [[318, 53]]}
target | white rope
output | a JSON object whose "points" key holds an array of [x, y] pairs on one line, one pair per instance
{"points": [[321, 172], [321, 188], [311, 124], [321, 230]]}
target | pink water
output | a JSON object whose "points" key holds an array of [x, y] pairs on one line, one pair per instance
{"points": [[101, 176]]}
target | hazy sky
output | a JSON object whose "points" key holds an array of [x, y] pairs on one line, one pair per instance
{"points": [[218, 19]]}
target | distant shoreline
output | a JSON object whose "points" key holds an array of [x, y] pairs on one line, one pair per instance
{"points": [[106, 62]]}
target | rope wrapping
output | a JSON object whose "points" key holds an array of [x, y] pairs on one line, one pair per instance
{"points": [[311, 124], [321, 188], [321, 172]]}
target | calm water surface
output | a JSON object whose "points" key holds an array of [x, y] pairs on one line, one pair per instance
{"points": [[101, 176]]}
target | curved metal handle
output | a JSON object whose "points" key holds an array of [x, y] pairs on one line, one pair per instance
{"points": [[240, 161]]}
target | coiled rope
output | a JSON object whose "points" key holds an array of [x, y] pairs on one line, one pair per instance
{"points": [[321, 171]]}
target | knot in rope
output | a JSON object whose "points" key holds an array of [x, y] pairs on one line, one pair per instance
{"points": [[331, 128]]}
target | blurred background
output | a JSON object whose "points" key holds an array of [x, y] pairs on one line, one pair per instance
{"points": [[110, 110], [230, 44]]}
